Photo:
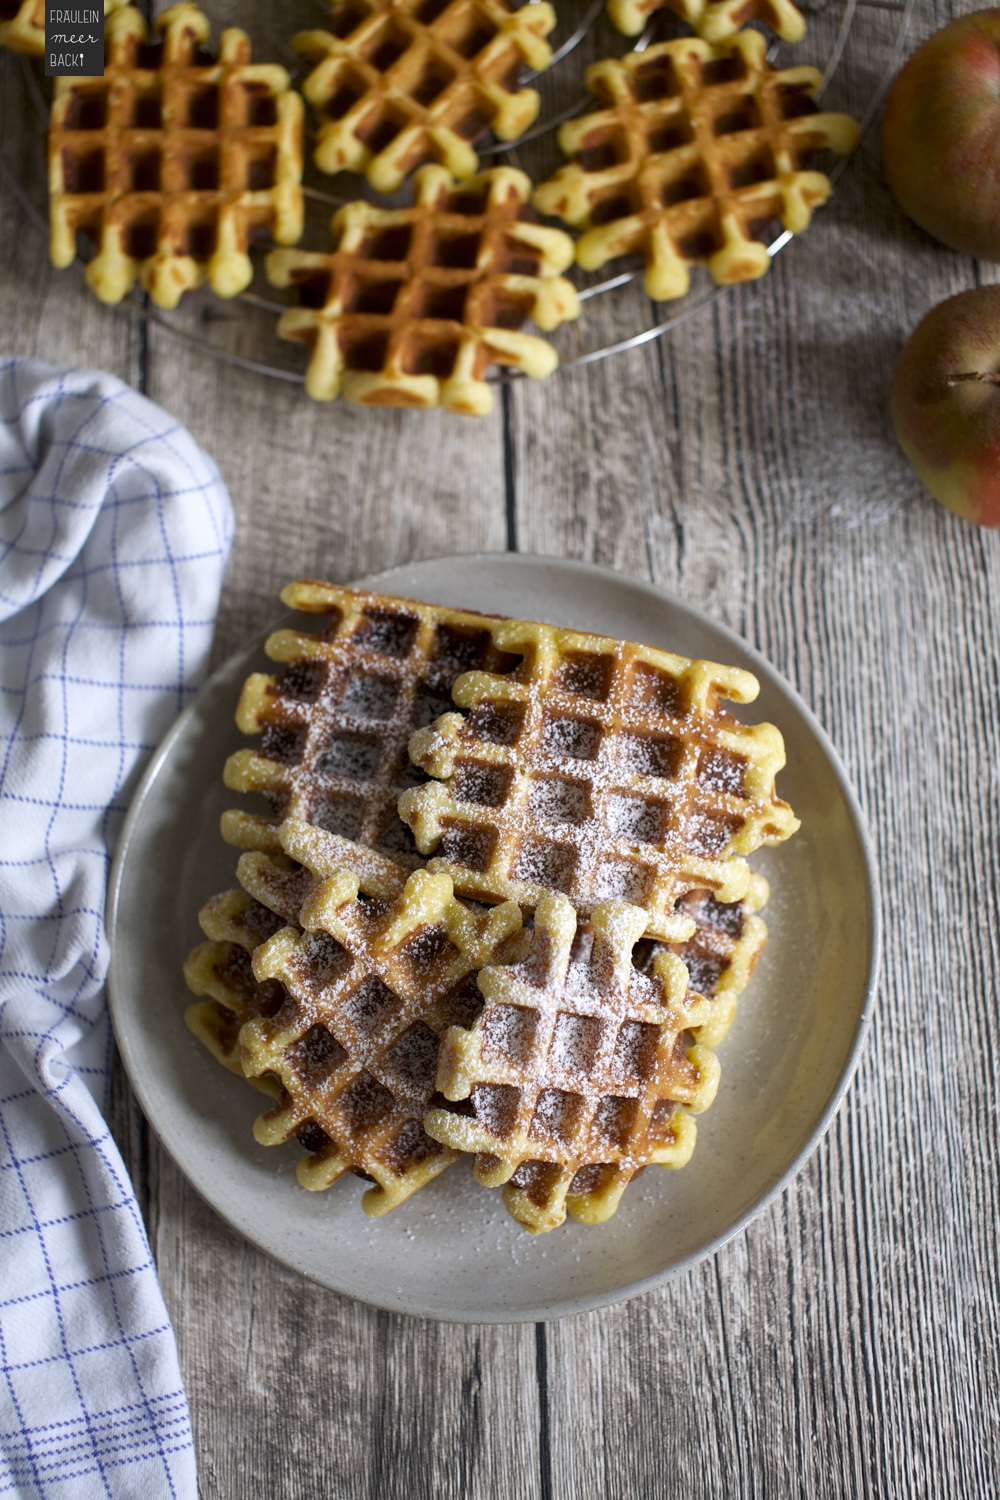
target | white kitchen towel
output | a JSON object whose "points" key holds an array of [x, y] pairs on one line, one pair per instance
{"points": [[114, 534]]}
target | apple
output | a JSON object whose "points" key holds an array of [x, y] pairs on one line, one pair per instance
{"points": [[941, 135], [945, 403]]}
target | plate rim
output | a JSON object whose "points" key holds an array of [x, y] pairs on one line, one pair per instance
{"points": [[577, 1304]]}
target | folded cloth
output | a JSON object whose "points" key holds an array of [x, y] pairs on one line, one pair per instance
{"points": [[114, 534]]}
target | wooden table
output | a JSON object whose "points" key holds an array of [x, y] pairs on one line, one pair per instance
{"points": [[846, 1344]]}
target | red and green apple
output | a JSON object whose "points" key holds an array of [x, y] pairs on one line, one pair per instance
{"points": [[946, 403], [941, 135]]}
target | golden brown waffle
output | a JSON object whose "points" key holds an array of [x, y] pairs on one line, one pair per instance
{"points": [[400, 82], [601, 769], [336, 720], [696, 153], [173, 161], [220, 971], [712, 19], [22, 24], [720, 956], [236, 923], [372, 983], [413, 305], [577, 1073]]}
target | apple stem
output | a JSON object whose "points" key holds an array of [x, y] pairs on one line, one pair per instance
{"points": [[984, 377]]}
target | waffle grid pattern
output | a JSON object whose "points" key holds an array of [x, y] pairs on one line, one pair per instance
{"points": [[400, 82], [609, 750], [335, 723], [371, 984], [236, 923], [572, 1077], [413, 305], [697, 151], [600, 769], [220, 972], [173, 160], [720, 955]]}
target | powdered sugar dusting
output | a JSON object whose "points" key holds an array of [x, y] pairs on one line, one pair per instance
{"points": [[623, 777], [575, 1043]]}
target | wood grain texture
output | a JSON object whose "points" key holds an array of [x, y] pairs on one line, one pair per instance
{"points": [[329, 491], [846, 1344]]}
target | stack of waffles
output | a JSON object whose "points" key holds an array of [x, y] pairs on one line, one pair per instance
{"points": [[493, 900], [699, 151]]}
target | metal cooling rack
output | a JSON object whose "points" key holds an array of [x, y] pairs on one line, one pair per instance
{"points": [[19, 72]]}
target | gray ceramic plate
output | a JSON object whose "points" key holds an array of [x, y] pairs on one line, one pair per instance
{"points": [[452, 1251]]}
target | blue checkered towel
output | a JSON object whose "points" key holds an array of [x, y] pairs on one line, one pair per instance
{"points": [[114, 534]]}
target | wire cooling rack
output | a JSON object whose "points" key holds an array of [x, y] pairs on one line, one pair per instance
{"points": [[858, 44]]}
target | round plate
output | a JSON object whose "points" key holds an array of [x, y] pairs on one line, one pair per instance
{"points": [[452, 1251]]}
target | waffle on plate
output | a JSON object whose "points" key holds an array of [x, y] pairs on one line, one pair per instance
{"points": [[602, 769], [545, 995], [380, 968], [574, 1076]]}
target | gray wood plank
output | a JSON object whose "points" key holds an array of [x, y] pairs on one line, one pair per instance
{"points": [[846, 1343], [329, 490], [295, 1391]]}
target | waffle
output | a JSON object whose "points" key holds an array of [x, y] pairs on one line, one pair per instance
{"points": [[574, 1076], [400, 82], [336, 720], [236, 923], [372, 983], [220, 972], [697, 151], [22, 24], [714, 20], [600, 769], [172, 161], [413, 305], [720, 956]]}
